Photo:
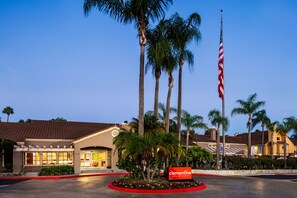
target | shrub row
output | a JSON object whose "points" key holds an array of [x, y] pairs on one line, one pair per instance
{"points": [[265, 162], [56, 170]]}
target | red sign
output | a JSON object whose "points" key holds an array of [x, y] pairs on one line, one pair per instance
{"points": [[179, 173]]}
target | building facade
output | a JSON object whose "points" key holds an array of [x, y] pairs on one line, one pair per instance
{"points": [[85, 146]]}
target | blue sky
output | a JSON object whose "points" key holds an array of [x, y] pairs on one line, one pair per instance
{"points": [[56, 62]]}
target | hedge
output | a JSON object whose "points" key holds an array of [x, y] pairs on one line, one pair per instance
{"points": [[56, 170]]}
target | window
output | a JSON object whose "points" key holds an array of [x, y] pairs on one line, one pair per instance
{"points": [[49, 158], [32, 158], [65, 158], [259, 149], [278, 138]]}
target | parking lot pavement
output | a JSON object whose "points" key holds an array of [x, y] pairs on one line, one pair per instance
{"points": [[85, 187]]}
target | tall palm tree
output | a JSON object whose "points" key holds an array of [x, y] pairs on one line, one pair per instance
{"points": [[139, 12], [157, 41], [261, 117], [272, 128], [183, 32], [169, 66], [191, 122], [217, 119], [284, 128], [248, 107], [8, 111], [292, 122]]}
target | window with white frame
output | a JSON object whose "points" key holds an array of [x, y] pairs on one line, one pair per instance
{"points": [[32, 158]]}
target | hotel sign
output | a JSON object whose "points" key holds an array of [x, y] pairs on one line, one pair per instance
{"points": [[179, 173]]}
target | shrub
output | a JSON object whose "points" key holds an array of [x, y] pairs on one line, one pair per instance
{"points": [[56, 170]]}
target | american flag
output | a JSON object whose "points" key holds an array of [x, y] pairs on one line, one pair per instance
{"points": [[221, 65]]}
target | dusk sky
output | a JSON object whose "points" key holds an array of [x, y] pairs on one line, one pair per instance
{"points": [[57, 62]]}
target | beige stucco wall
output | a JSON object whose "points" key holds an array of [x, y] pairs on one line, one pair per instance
{"points": [[17, 161], [278, 148], [100, 139]]}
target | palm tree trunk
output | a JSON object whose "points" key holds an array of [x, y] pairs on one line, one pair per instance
{"points": [[142, 42], [249, 137], [156, 102], [263, 140], [285, 150], [218, 148], [187, 146], [271, 144], [179, 100], [7, 117], [170, 85]]}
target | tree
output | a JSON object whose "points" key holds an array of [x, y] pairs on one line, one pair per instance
{"points": [[191, 122], [216, 119], [283, 128], [142, 156], [61, 119], [150, 122], [272, 128], [139, 12], [198, 155], [161, 116], [261, 117], [156, 50], [183, 32], [292, 122], [170, 66], [248, 107], [8, 111]]}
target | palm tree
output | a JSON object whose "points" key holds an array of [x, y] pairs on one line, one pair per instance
{"points": [[292, 122], [199, 155], [139, 12], [170, 66], [261, 117], [284, 128], [217, 120], [183, 32], [161, 116], [248, 107], [151, 123], [191, 122], [145, 154], [157, 41], [9, 111], [272, 128]]}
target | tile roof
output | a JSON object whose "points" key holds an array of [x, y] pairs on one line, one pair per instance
{"points": [[256, 137], [228, 139], [38, 129]]}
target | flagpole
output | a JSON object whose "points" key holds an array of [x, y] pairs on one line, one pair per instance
{"points": [[223, 99]]}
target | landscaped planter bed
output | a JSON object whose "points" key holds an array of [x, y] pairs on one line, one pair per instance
{"points": [[158, 185]]}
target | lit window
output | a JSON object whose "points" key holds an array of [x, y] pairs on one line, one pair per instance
{"points": [[49, 158], [32, 158], [65, 157]]}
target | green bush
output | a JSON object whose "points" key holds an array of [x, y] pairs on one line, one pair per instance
{"points": [[56, 170], [264, 162]]}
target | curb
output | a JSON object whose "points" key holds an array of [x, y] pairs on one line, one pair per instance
{"points": [[202, 187], [23, 178]]}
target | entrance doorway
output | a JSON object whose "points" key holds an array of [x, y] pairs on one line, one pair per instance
{"points": [[93, 158]]}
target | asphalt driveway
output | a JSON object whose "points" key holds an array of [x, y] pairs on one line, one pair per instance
{"points": [[96, 186]]}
